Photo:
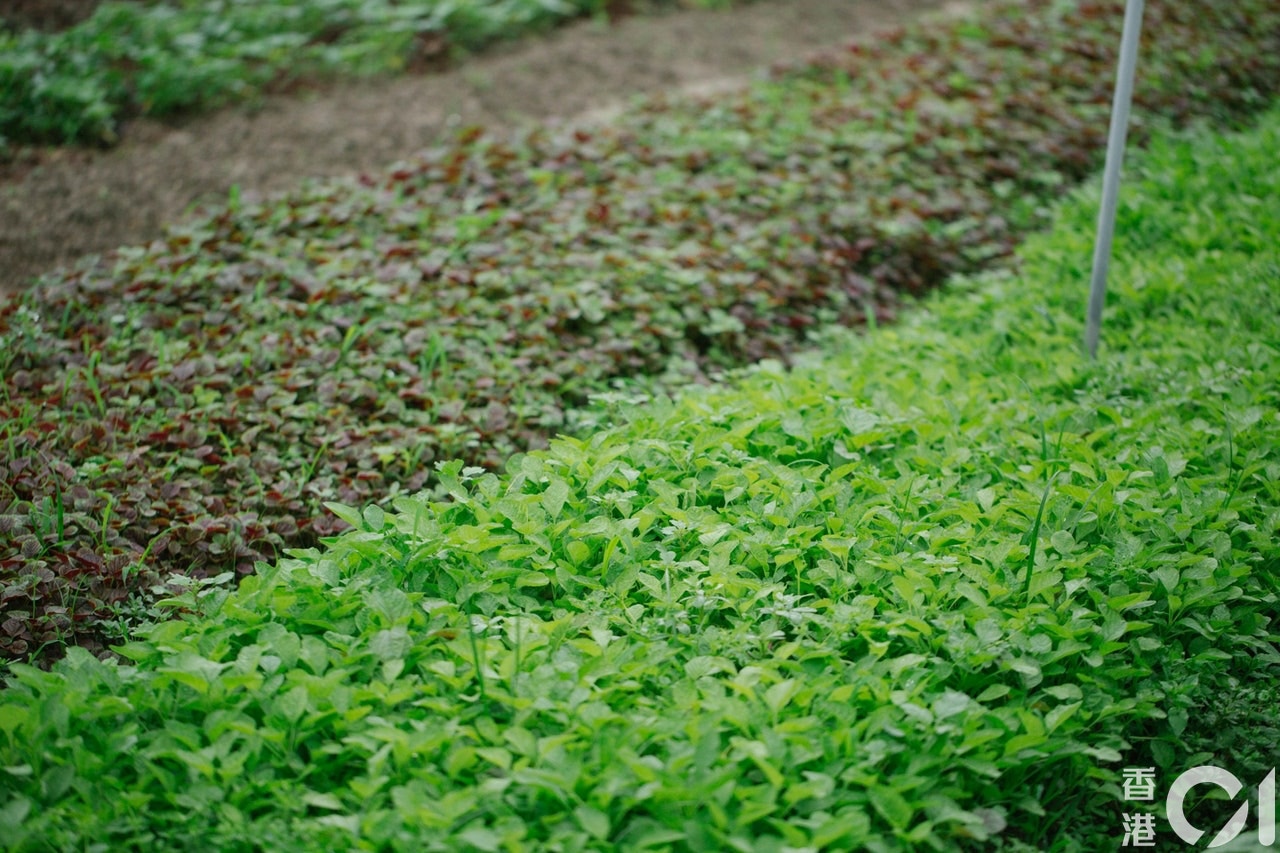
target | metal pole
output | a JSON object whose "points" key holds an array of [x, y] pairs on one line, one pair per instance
{"points": [[1111, 177]]}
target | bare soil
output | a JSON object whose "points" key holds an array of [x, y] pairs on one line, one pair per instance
{"points": [[57, 205]]}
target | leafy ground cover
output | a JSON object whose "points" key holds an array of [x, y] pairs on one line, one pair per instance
{"points": [[132, 58], [190, 406], [929, 589]]}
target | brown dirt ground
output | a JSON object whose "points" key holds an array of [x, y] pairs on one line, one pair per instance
{"points": [[57, 205]]}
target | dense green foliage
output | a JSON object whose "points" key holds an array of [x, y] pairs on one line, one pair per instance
{"points": [[929, 590], [190, 405], [158, 58]]}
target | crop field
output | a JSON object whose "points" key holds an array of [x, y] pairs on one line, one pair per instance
{"points": [[929, 589], [726, 477], [148, 58], [190, 406]]}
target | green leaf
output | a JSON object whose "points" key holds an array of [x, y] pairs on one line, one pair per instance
{"points": [[844, 831], [391, 669], [891, 805], [350, 515], [1063, 542], [481, 838], [374, 518], [553, 499], [15, 812], [323, 801], [391, 603], [391, 644], [292, 704], [594, 821], [777, 696], [1168, 577], [522, 740], [1065, 692], [995, 691], [11, 717], [1124, 602], [193, 670], [950, 703], [986, 498], [578, 552], [1060, 714]]}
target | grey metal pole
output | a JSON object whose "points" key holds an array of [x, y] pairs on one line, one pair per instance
{"points": [[1111, 177]]}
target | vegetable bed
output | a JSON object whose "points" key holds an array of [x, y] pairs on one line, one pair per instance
{"points": [[930, 589], [187, 408], [159, 58]]}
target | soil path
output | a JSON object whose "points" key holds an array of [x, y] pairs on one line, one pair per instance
{"points": [[76, 201]]}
